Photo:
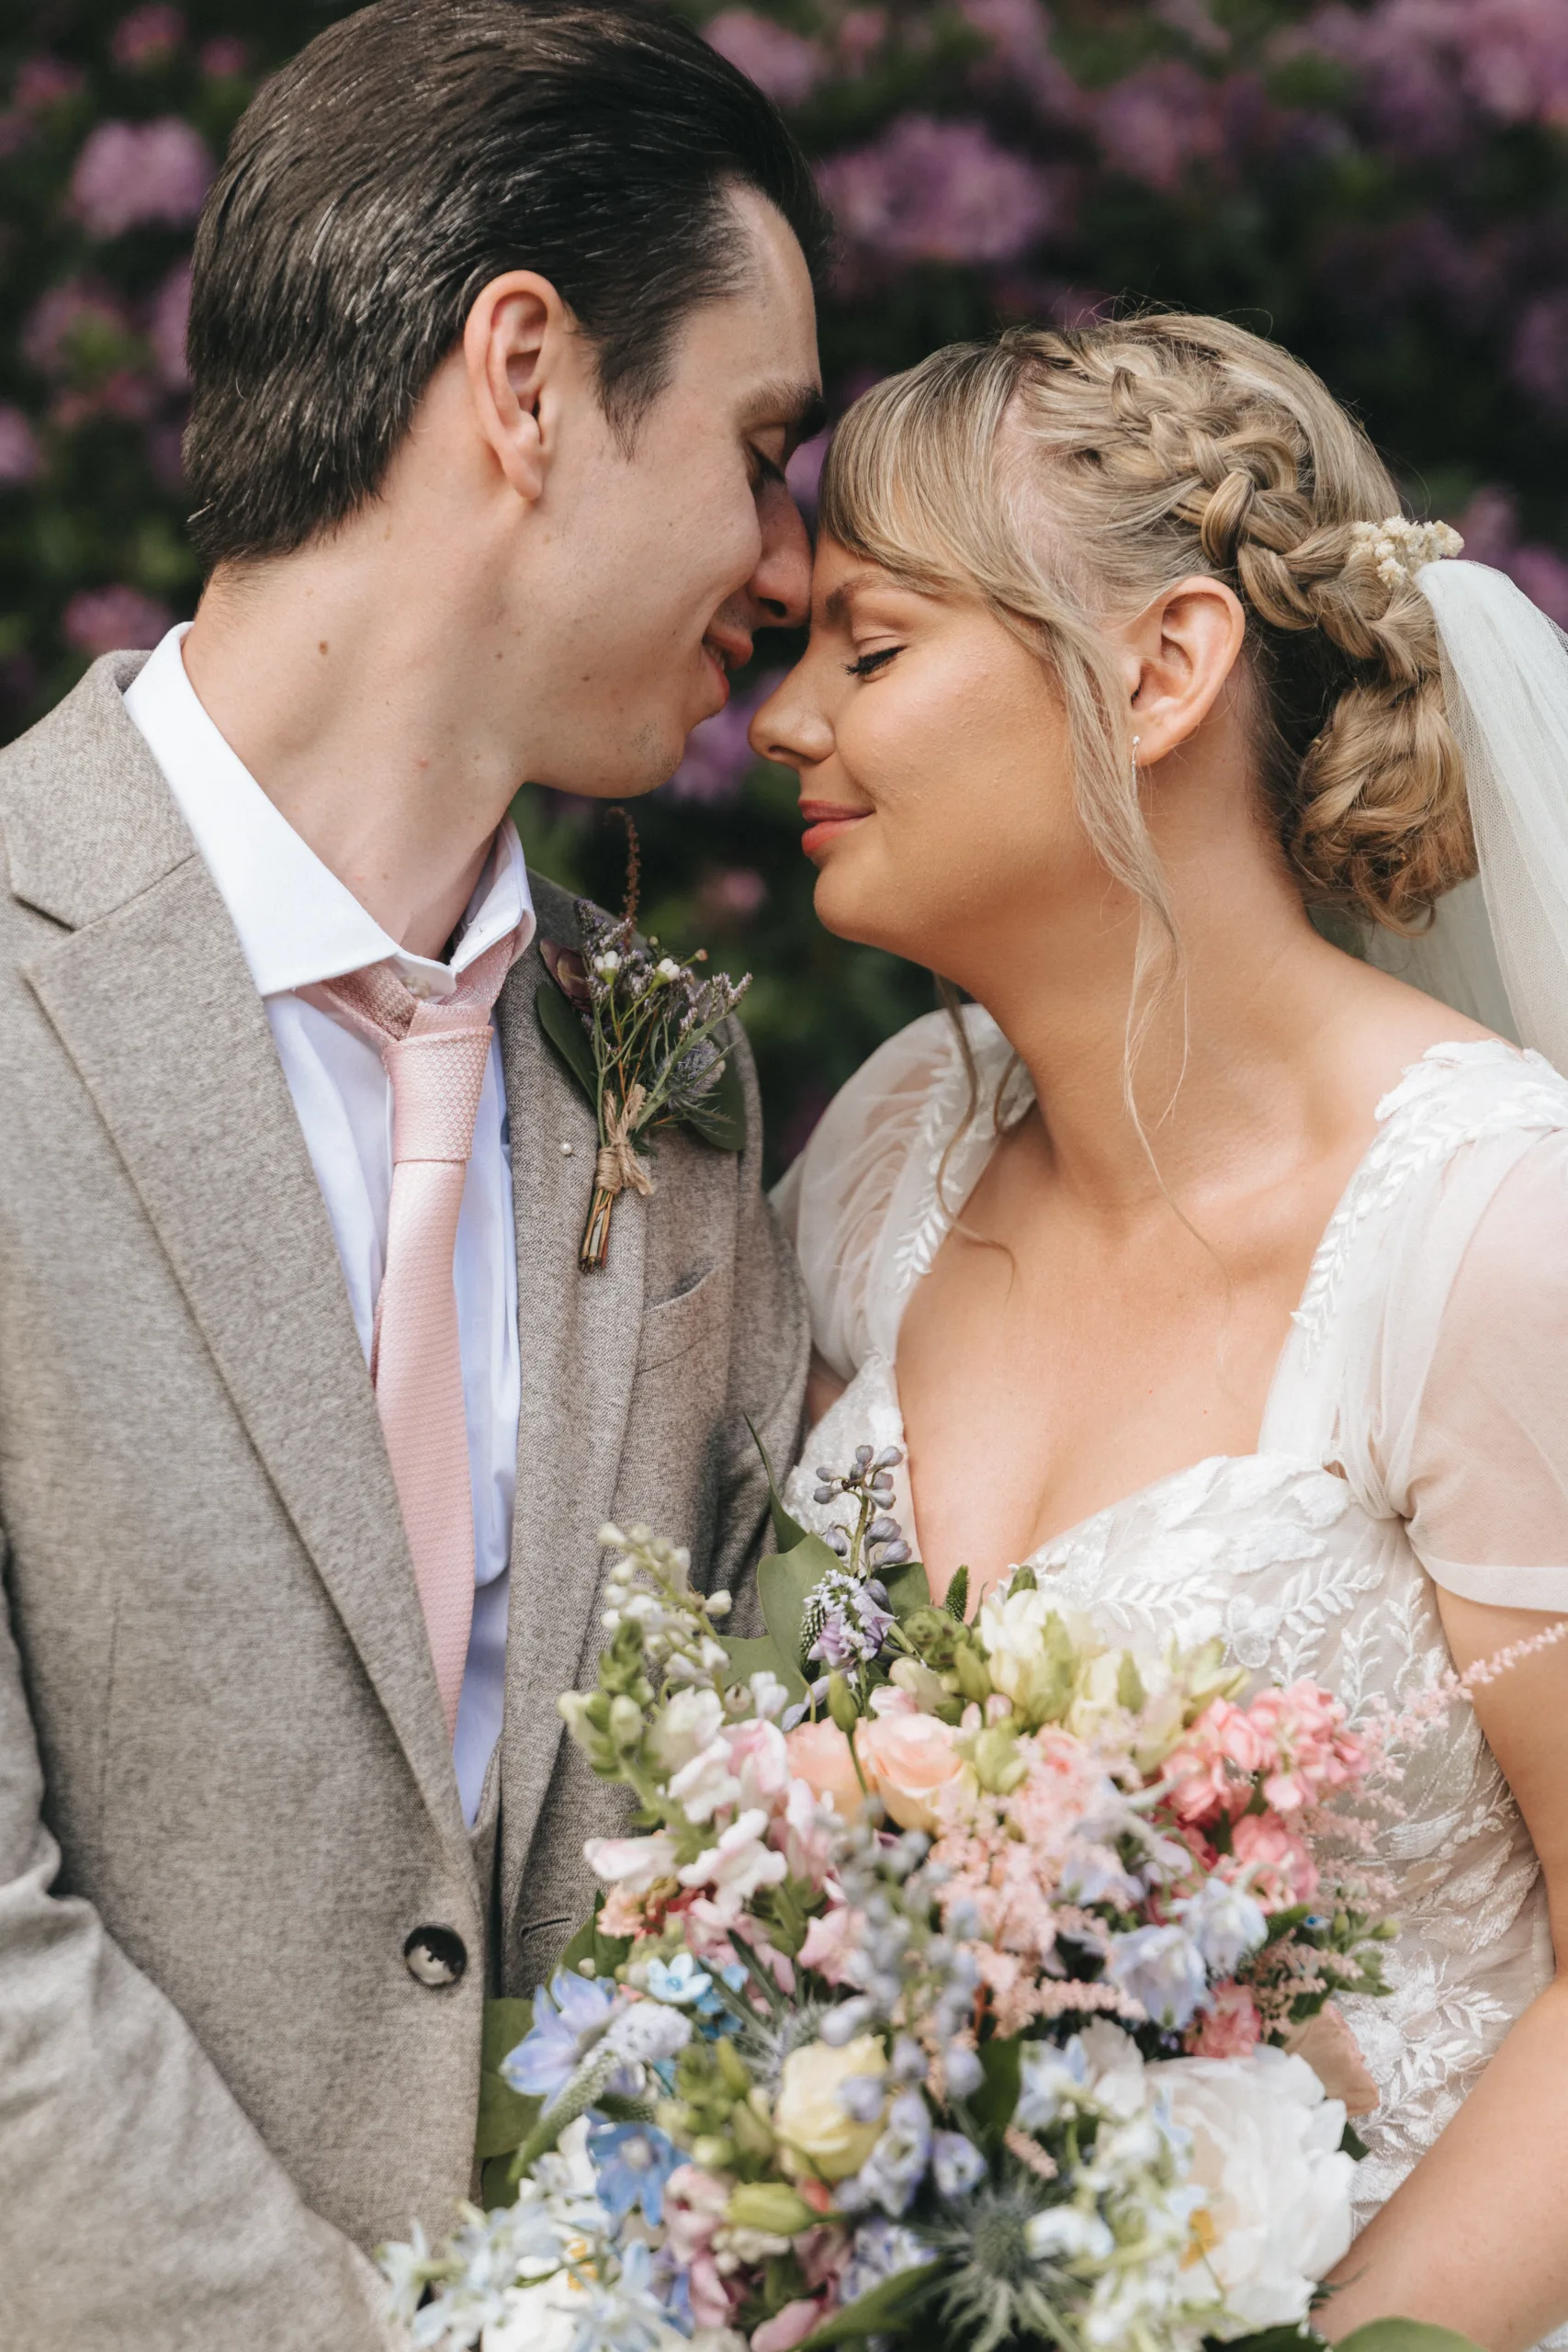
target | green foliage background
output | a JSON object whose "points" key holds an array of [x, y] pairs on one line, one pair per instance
{"points": [[1383, 186]]}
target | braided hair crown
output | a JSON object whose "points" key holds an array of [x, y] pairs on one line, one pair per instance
{"points": [[1124, 456]]}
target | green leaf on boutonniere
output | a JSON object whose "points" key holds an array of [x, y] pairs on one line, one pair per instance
{"points": [[567, 1037]]}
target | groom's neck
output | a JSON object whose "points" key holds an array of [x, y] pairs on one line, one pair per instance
{"points": [[350, 679]]}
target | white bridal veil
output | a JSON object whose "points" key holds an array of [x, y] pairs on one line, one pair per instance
{"points": [[1498, 948]]}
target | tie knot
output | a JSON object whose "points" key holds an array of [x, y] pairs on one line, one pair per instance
{"points": [[438, 1076]]}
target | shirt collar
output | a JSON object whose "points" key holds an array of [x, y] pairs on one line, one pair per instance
{"points": [[297, 922]]}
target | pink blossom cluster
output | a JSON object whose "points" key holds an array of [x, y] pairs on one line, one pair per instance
{"points": [[149, 36], [109, 620], [764, 1824]]}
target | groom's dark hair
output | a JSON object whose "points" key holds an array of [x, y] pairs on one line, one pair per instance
{"points": [[409, 154]]}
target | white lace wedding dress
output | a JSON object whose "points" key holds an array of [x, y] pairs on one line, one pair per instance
{"points": [[1427, 1363]]}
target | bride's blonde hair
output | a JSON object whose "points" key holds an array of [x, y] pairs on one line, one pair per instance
{"points": [[1065, 476]]}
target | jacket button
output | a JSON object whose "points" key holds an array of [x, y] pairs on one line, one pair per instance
{"points": [[434, 1956]]}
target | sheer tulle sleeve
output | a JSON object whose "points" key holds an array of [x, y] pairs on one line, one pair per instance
{"points": [[1478, 1450], [837, 1202]]}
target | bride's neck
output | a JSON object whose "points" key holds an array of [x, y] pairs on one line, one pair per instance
{"points": [[1238, 1044]]}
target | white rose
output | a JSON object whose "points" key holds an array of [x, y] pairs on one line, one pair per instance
{"points": [[1265, 2150], [818, 2134]]}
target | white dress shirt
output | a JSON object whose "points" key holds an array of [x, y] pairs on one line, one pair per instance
{"points": [[298, 925]]}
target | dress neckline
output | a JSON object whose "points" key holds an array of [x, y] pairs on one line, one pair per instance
{"points": [[1414, 1082]]}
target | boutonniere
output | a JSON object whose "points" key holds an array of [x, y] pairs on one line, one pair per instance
{"points": [[635, 1028]]}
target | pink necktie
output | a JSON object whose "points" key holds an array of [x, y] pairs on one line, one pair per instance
{"points": [[434, 1055]]}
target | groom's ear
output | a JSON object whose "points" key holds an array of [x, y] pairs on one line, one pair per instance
{"points": [[517, 345]]}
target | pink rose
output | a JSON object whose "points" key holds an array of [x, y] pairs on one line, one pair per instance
{"points": [[1283, 1871], [1231, 2028], [908, 1759], [820, 1755]]}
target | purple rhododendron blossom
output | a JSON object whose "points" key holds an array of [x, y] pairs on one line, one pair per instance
{"points": [[1490, 529], [112, 620], [45, 81], [147, 36], [20, 457], [937, 191], [68, 319], [785, 65], [1539, 360], [1159, 121], [167, 328], [717, 754], [1432, 66], [130, 173]]}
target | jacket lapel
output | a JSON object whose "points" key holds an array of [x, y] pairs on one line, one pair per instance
{"points": [[150, 999], [578, 1337]]}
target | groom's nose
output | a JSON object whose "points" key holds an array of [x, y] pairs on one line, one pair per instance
{"points": [[779, 587]]}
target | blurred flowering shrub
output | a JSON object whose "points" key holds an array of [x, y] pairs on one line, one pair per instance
{"points": [[1384, 186]]}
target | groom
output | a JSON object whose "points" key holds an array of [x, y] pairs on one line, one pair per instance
{"points": [[502, 336]]}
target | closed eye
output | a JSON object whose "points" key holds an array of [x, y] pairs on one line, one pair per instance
{"points": [[870, 663]]}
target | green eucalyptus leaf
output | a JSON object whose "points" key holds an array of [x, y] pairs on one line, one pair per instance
{"points": [[1001, 2062], [759, 1654], [506, 2117], [888, 2305], [1404, 2335], [567, 1040], [1269, 2339], [785, 1581], [787, 1531], [907, 1588]]}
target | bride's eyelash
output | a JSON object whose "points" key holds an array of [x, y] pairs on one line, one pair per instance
{"points": [[870, 663]]}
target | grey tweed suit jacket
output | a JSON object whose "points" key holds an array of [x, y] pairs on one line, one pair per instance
{"points": [[226, 1792]]}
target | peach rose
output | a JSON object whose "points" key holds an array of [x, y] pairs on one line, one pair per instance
{"points": [[820, 1755], [906, 1758]]}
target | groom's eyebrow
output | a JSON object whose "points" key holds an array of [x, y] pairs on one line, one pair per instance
{"points": [[799, 408]]}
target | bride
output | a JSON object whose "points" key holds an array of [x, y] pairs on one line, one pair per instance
{"points": [[1214, 1271]]}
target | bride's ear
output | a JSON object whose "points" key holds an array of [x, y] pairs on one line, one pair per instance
{"points": [[1176, 657]]}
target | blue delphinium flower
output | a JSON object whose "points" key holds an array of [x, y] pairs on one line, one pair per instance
{"points": [[1163, 1970], [897, 2165], [569, 2019], [633, 2160], [881, 2249], [1224, 1922], [957, 2165]]}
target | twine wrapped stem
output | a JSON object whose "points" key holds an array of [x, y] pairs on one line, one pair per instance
{"points": [[617, 1169]]}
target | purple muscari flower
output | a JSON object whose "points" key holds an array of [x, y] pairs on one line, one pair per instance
{"points": [[633, 2161], [937, 191], [131, 172], [570, 2017], [785, 64], [1224, 1922], [881, 2249], [957, 2165], [1163, 1971]]}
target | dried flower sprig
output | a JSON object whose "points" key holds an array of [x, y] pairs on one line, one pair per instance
{"points": [[636, 1028]]}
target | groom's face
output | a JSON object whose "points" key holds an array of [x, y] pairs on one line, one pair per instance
{"points": [[668, 557]]}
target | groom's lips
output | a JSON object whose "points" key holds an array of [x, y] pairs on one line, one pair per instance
{"points": [[825, 821], [726, 651]]}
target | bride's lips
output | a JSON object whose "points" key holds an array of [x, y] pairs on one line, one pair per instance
{"points": [[827, 820]]}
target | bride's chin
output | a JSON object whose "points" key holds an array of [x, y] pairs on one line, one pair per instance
{"points": [[856, 914]]}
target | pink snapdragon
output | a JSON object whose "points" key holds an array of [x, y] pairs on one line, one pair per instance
{"points": [[831, 1941], [1281, 1872], [1309, 1751], [1229, 2028], [1214, 1764]]}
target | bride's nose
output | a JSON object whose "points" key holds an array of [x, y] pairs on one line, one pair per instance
{"points": [[789, 727]]}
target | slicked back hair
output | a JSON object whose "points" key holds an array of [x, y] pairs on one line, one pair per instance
{"points": [[414, 151]]}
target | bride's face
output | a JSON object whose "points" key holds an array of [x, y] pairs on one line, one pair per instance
{"points": [[934, 765]]}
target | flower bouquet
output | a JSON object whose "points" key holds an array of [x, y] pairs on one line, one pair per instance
{"points": [[945, 1993]]}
